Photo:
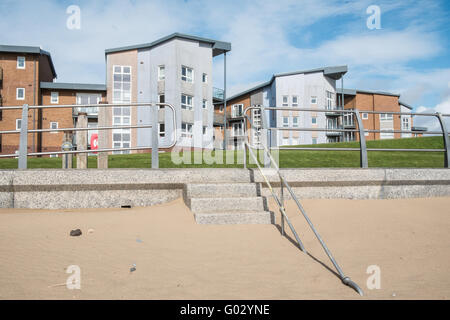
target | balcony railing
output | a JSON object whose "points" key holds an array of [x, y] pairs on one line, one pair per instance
{"points": [[331, 111], [217, 93], [88, 110]]}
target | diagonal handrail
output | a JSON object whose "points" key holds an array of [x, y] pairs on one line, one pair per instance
{"points": [[346, 280]]}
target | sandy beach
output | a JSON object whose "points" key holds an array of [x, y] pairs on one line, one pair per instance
{"points": [[176, 258]]}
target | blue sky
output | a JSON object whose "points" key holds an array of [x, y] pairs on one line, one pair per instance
{"points": [[408, 55]]}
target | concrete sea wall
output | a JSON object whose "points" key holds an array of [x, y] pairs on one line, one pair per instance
{"points": [[93, 188]]}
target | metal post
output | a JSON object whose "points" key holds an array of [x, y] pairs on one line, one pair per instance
{"points": [[362, 141], [446, 140], [155, 137], [23, 147], [81, 139], [282, 205], [266, 135], [225, 140]]}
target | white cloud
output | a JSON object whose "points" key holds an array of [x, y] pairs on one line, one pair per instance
{"points": [[432, 123]]}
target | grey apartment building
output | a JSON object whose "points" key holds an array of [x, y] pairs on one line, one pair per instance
{"points": [[176, 69]]}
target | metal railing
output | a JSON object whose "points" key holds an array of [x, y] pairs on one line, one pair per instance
{"points": [[280, 202], [24, 131], [361, 130]]}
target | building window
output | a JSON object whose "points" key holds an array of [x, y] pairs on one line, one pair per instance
{"points": [[54, 125], [386, 117], [285, 141], [313, 100], [295, 122], [405, 124], [186, 129], [187, 74], [313, 120], [204, 131], [330, 100], [161, 99], [186, 102], [205, 78], [88, 98], [365, 116], [294, 101], [314, 140], [54, 97], [205, 104], [54, 156], [121, 115], [20, 62], [20, 94], [18, 124], [237, 129], [162, 130], [285, 101], [285, 122], [161, 73], [237, 110]]}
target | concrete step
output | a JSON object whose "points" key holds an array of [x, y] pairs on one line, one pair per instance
{"points": [[214, 190], [236, 217], [225, 204]]}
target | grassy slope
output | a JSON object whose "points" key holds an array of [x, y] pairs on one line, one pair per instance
{"points": [[288, 159]]}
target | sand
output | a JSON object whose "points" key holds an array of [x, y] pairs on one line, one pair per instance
{"points": [[175, 258]]}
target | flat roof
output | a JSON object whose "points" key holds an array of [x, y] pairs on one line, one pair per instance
{"points": [[353, 92], [29, 49], [73, 86], [218, 47], [335, 72]]}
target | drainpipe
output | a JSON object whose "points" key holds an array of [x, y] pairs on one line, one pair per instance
{"points": [[225, 100], [34, 103]]}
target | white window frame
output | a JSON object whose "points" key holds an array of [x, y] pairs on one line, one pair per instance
{"points": [[187, 130], [19, 59], [51, 126], [313, 118], [205, 78], [238, 128], [52, 101], [237, 110], [205, 104], [365, 116], [125, 96], [285, 141], [285, 104], [313, 100], [405, 120], [186, 77], [294, 124], [161, 72], [284, 124], [18, 126], [17, 94], [330, 100], [295, 104], [386, 117], [186, 105]]}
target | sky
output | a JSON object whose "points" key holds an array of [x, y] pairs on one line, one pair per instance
{"points": [[408, 54]]}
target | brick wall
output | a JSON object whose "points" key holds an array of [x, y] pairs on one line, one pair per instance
{"points": [[14, 78]]}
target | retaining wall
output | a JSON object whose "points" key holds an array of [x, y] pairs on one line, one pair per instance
{"points": [[94, 188]]}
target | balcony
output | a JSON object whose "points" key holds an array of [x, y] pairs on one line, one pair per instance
{"points": [[332, 133], [217, 93], [331, 113], [91, 111]]}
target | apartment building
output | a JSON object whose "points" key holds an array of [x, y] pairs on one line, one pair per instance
{"points": [[313, 89], [176, 69], [379, 101], [54, 93], [22, 69]]}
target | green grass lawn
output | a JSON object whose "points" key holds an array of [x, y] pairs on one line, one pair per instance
{"points": [[288, 158]]}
